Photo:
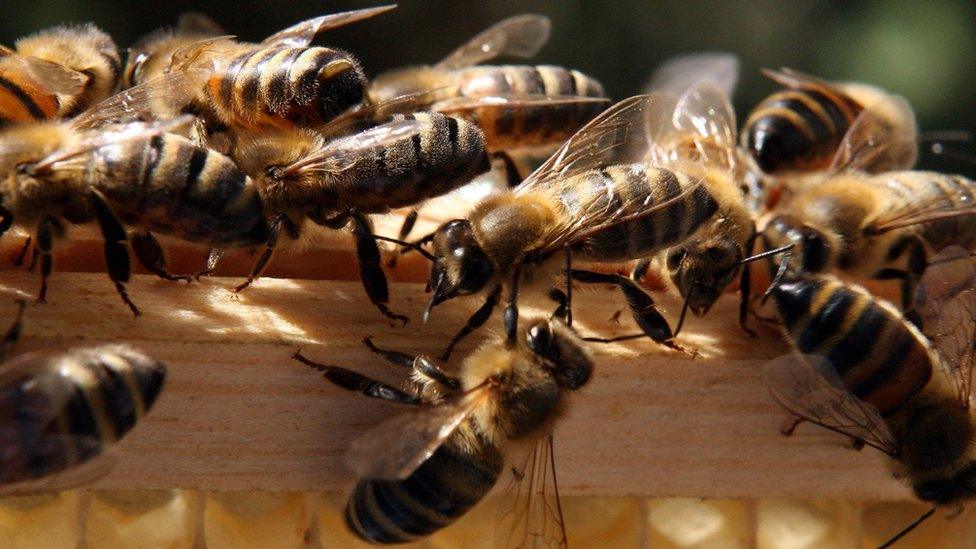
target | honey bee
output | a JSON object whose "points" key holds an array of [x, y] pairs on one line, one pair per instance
{"points": [[152, 55], [87, 51], [814, 125], [301, 175], [133, 173], [517, 106], [30, 87], [431, 465], [864, 371], [883, 226], [590, 201], [62, 412], [279, 82]]}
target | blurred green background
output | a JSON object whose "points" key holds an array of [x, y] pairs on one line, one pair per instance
{"points": [[921, 50]]}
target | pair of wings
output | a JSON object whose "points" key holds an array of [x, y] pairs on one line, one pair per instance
{"points": [[530, 514], [809, 387]]}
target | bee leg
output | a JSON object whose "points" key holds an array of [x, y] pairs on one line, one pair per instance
{"points": [[13, 333], [640, 303], [370, 271], [408, 222], [510, 319], [419, 364], [745, 288], [512, 175], [475, 321], [790, 425], [150, 255], [562, 302], [19, 260], [47, 230], [640, 269], [274, 231], [354, 381], [116, 254]]}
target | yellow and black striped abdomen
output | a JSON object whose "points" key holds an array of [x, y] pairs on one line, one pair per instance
{"points": [[799, 130], [511, 125], [446, 154], [285, 86], [439, 492], [169, 185], [622, 193], [22, 99], [877, 355], [909, 191], [57, 412]]}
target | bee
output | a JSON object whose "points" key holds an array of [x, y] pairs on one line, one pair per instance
{"points": [[590, 201], [87, 51], [152, 55], [133, 173], [422, 470], [30, 87], [61, 411], [883, 226], [517, 106], [865, 371], [816, 126], [302, 175], [279, 82]]}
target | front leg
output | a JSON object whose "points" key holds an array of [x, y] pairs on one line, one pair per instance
{"points": [[370, 271], [640, 303], [274, 231], [116, 254], [150, 255], [475, 321], [354, 381], [47, 230], [420, 364]]}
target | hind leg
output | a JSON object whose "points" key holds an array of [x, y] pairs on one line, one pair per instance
{"points": [[150, 255], [116, 254], [47, 230]]}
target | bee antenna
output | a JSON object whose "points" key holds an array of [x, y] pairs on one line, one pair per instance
{"points": [[907, 529], [780, 273], [766, 254], [404, 243]]}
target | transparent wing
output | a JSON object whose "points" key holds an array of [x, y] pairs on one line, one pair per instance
{"points": [[202, 54], [945, 300], [490, 103], [920, 211], [809, 387], [343, 153], [301, 34], [530, 513], [698, 133], [193, 23], [161, 97], [394, 449], [871, 144], [519, 36], [794, 79], [54, 77], [678, 74]]}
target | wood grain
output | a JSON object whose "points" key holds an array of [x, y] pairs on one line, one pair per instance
{"points": [[239, 414]]}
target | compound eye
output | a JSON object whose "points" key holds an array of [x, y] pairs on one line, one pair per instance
{"points": [[675, 257], [539, 338]]}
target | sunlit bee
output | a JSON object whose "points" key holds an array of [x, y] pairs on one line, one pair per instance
{"points": [[301, 175], [422, 470], [59, 411], [806, 127]]}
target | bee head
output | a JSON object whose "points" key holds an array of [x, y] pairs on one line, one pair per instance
{"points": [[811, 252], [561, 351], [460, 266], [702, 270]]}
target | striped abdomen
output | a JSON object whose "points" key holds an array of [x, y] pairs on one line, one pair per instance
{"points": [[168, 185], [799, 129], [439, 492], [21, 98], [284, 86], [623, 192], [511, 126], [57, 412], [446, 154], [877, 355], [908, 190]]}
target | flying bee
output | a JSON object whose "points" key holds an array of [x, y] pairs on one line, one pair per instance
{"points": [[590, 201], [62, 412], [431, 465], [279, 82], [301, 175], [87, 51], [132, 173], [864, 371], [517, 106], [883, 226]]}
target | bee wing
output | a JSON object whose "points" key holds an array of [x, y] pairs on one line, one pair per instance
{"points": [[490, 103], [963, 204], [809, 387], [194, 23], [52, 450], [56, 78], [518, 36], [530, 513], [341, 154], [394, 449], [945, 300], [168, 93], [301, 34], [793, 79], [870, 139], [678, 74]]}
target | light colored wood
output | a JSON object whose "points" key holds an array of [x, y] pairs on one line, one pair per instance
{"points": [[239, 414]]}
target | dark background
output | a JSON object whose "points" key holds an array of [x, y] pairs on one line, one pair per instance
{"points": [[925, 51]]}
